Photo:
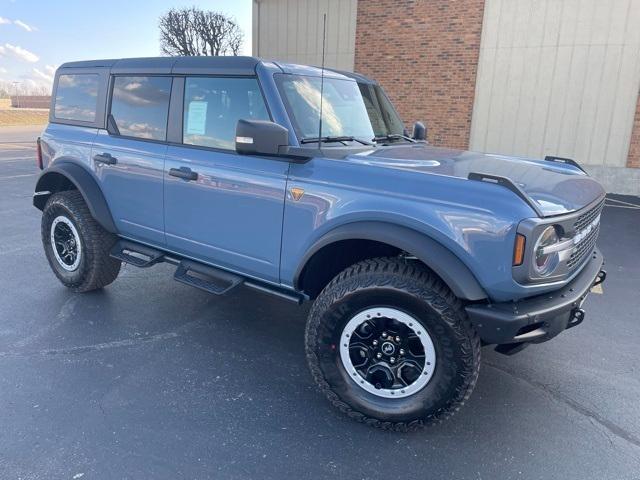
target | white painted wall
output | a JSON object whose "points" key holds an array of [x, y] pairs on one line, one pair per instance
{"points": [[291, 30], [558, 77]]}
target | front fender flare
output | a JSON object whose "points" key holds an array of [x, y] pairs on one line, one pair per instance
{"points": [[432, 253], [84, 182]]}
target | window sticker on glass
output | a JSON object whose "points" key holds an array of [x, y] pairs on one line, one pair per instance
{"points": [[197, 118]]}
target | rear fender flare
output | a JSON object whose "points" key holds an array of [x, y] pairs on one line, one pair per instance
{"points": [[49, 183]]}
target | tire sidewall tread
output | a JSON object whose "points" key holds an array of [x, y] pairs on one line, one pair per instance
{"points": [[455, 338], [96, 269]]}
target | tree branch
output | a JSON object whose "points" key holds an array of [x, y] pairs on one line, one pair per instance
{"points": [[196, 32]]}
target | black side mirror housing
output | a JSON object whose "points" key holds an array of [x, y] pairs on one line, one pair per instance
{"points": [[260, 137], [419, 132]]}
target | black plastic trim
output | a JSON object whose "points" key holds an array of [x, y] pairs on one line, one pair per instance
{"points": [[568, 161], [184, 264], [508, 183], [120, 249], [433, 254], [295, 297], [86, 185], [216, 281], [176, 113], [549, 313]]}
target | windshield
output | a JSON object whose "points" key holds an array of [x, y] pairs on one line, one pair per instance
{"points": [[343, 110], [384, 118]]}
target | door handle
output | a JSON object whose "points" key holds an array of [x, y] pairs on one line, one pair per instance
{"points": [[105, 158], [183, 172]]}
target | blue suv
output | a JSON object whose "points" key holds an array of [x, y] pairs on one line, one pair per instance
{"points": [[304, 183]]}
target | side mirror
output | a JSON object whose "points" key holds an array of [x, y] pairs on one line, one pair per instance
{"points": [[259, 137], [419, 131]]}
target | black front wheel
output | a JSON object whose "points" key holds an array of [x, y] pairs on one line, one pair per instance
{"points": [[390, 345]]}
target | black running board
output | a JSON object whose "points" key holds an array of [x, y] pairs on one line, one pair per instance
{"points": [[136, 254], [190, 272], [204, 277]]}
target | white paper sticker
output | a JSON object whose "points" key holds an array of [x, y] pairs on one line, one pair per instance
{"points": [[197, 118]]}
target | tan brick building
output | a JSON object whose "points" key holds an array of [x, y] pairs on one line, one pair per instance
{"points": [[519, 77]]}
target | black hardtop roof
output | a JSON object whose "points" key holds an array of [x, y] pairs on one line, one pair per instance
{"points": [[230, 65], [358, 77]]}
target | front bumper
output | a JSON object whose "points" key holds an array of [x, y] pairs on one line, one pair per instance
{"points": [[540, 318]]}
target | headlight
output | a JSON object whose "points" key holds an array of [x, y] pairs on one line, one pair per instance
{"points": [[546, 259]]}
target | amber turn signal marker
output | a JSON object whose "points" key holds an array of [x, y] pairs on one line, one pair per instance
{"points": [[518, 250], [297, 193]]}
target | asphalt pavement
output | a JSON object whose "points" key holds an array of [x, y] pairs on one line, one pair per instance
{"points": [[152, 379]]}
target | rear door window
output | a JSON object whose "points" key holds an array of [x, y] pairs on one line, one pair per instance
{"points": [[140, 106], [77, 97], [213, 106]]}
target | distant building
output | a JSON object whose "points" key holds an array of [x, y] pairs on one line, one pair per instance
{"points": [[530, 78], [31, 101]]}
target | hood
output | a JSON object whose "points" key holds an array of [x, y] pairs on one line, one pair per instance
{"points": [[556, 188]]}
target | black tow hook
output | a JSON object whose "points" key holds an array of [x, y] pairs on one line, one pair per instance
{"points": [[600, 278], [577, 316]]}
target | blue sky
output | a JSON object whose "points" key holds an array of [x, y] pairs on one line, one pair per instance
{"points": [[37, 36]]}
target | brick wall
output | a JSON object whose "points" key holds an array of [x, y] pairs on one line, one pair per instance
{"points": [[633, 160], [425, 54]]}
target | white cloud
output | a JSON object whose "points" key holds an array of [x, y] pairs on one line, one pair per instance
{"points": [[43, 75], [133, 86], [20, 53], [21, 24], [51, 69], [3, 70]]}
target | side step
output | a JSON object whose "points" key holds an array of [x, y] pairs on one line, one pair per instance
{"points": [[136, 254], [209, 279]]}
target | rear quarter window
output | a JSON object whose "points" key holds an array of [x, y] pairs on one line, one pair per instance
{"points": [[77, 97]]}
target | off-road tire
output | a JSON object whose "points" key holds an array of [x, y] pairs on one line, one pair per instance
{"points": [[409, 286], [96, 268]]}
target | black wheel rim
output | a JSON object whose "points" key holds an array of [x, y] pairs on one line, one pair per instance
{"points": [[65, 242], [387, 352]]}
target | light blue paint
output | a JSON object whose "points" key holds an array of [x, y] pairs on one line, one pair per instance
{"points": [[239, 215]]}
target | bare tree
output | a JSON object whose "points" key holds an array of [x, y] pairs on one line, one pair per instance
{"points": [[195, 32]]}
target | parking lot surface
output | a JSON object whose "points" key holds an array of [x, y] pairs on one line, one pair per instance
{"points": [[153, 379]]}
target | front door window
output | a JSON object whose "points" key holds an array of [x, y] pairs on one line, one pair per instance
{"points": [[213, 106]]}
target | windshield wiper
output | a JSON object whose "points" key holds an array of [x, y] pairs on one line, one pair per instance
{"points": [[394, 136], [334, 139]]}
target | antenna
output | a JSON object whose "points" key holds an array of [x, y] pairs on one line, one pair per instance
{"points": [[324, 35]]}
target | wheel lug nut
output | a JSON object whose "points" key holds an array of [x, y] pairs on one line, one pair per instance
{"points": [[375, 342], [398, 339], [378, 355], [384, 334], [392, 359], [401, 351]]}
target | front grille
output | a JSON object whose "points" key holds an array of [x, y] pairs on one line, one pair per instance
{"points": [[584, 248], [586, 218]]}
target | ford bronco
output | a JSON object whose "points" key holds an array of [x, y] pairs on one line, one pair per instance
{"points": [[303, 183]]}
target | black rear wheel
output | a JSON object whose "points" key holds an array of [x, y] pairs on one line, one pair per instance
{"points": [[390, 345], [76, 246]]}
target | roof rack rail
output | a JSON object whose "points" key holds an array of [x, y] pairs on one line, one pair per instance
{"points": [[567, 161], [508, 183]]}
